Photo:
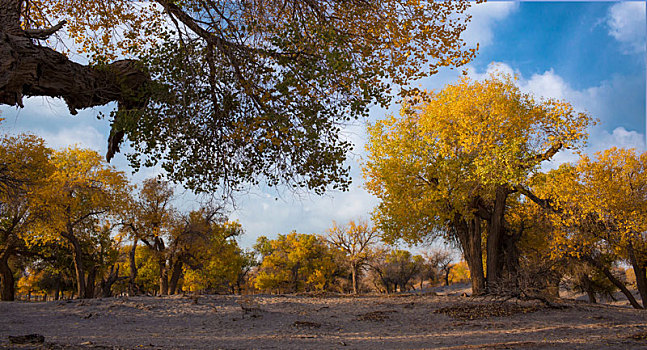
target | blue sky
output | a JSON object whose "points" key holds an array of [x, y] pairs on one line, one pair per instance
{"points": [[591, 54]]}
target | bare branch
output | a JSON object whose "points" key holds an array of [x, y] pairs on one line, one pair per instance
{"points": [[44, 33]]}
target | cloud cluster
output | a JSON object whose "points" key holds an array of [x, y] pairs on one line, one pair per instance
{"points": [[626, 22], [484, 16], [601, 102]]}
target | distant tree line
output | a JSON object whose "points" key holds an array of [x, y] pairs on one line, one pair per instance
{"points": [[73, 226]]}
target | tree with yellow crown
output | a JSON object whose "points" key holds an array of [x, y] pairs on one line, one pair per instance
{"points": [[453, 160]]}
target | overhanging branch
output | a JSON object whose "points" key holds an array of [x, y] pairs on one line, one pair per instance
{"points": [[42, 34]]}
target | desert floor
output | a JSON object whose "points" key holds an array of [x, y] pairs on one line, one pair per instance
{"points": [[321, 322]]}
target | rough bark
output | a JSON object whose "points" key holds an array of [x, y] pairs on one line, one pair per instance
{"points": [[469, 235], [7, 293], [160, 248], [28, 69], [495, 238], [176, 273], [163, 276], [79, 269], [90, 282], [9, 248], [354, 276], [587, 286], [106, 284]]}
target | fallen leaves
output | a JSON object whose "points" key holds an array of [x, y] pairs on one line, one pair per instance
{"points": [[376, 316], [477, 311]]}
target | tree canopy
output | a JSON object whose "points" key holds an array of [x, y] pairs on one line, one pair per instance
{"points": [[598, 212], [228, 93], [449, 164]]}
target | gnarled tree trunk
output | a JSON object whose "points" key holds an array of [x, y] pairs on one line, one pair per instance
{"points": [[106, 284], [90, 282], [79, 269], [28, 69], [469, 235], [639, 271], [176, 273], [613, 280], [354, 270], [163, 277]]}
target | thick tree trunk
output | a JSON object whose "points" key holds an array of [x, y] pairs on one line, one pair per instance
{"points": [[495, 238], [163, 276], [469, 235], [639, 271], [132, 287], [176, 273], [106, 284], [91, 282], [27, 69], [509, 261], [7, 293], [587, 285], [79, 269], [591, 294], [353, 270]]}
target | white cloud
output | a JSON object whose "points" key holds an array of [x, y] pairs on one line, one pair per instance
{"points": [[82, 136], [264, 214], [492, 68], [626, 21], [619, 137], [484, 15], [606, 102], [548, 85]]}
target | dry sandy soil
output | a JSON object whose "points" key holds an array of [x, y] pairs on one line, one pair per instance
{"points": [[320, 322]]}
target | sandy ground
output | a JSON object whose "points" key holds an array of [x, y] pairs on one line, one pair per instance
{"points": [[320, 322]]}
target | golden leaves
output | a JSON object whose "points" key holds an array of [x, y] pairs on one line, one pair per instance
{"points": [[103, 30], [601, 203], [458, 144]]}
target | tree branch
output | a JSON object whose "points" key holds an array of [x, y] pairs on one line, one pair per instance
{"points": [[544, 203], [544, 156], [42, 34]]}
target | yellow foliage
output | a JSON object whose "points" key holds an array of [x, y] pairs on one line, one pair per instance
{"points": [[104, 29], [599, 203], [30, 284], [452, 147], [294, 262], [82, 190], [459, 273]]}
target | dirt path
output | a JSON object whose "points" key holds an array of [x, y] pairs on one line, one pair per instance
{"points": [[298, 322]]}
